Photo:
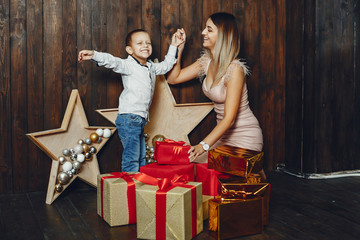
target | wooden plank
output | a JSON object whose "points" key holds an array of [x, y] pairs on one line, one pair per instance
{"points": [[280, 89], [151, 15], [267, 64], [35, 90], [191, 22], [210, 7], [69, 59], [6, 184], [294, 85], [116, 32], [169, 24], [18, 93], [309, 75], [84, 32], [134, 14], [50, 221], [19, 221], [53, 49]]}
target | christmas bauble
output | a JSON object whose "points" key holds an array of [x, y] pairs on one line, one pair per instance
{"points": [[67, 166], [86, 148], [94, 137], [99, 132], [107, 133], [66, 152], [88, 141], [92, 150], [80, 158], [63, 178], [76, 166], [88, 156], [58, 187], [62, 159], [78, 149], [81, 142], [157, 138]]}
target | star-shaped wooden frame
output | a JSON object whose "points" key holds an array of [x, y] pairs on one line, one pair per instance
{"points": [[74, 127], [172, 120]]}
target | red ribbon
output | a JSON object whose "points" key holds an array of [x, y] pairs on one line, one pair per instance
{"points": [[165, 185], [130, 193]]}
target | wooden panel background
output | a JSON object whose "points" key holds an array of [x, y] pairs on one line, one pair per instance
{"points": [[322, 86], [39, 41]]}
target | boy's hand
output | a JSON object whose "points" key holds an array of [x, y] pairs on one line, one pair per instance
{"points": [[178, 38], [85, 55]]}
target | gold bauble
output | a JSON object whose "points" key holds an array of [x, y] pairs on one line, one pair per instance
{"points": [[86, 148], [157, 138], [58, 187], [94, 137]]}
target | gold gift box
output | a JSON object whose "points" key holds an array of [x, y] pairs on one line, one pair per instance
{"points": [[115, 202], [235, 218], [234, 191], [178, 212], [234, 160]]}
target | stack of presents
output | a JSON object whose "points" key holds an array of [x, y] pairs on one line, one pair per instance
{"points": [[170, 198]]}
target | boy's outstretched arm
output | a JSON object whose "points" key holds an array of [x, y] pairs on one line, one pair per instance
{"points": [[178, 38], [85, 55]]}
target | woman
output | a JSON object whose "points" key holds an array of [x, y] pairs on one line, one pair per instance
{"points": [[224, 83]]}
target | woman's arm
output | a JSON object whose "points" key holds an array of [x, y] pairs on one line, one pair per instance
{"points": [[234, 87], [178, 75]]}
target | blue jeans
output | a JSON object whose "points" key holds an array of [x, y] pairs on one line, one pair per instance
{"points": [[131, 132]]}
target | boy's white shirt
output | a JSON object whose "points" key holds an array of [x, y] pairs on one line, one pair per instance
{"points": [[138, 80]]}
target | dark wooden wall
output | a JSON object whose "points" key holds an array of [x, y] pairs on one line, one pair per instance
{"points": [[39, 41], [322, 86]]}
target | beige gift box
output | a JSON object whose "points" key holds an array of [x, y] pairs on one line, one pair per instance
{"points": [[115, 201], [178, 212], [206, 199]]}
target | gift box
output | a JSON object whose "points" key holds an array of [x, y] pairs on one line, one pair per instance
{"points": [[210, 179], [171, 152], [234, 160], [169, 171], [169, 213], [235, 218], [235, 191], [205, 203], [116, 202]]}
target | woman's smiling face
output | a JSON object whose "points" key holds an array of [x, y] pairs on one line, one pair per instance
{"points": [[209, 35]]}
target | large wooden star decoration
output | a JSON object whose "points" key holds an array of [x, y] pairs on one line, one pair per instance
{"points": [[172, 120], [74, 127]]}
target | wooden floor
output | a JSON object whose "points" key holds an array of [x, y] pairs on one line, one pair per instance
{"points": [[299, 209]]}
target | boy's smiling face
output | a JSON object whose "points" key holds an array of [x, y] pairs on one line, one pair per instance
{"points": [[140, 46]]}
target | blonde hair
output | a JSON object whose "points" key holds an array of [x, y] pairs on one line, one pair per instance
{"points": [[227, 45]]}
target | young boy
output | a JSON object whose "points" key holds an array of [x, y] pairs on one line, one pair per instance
{"points": [[138, 76]]}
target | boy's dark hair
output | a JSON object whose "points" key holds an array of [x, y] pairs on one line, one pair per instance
{"points": [[129, 35]]}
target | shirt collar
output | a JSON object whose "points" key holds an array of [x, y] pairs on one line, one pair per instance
{"points": [[139, 62]]}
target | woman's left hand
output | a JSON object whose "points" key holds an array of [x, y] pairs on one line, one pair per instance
{"points": [[195, 151]]}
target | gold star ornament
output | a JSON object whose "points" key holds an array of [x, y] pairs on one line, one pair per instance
{"points": [[172, 120], [72, 148]]}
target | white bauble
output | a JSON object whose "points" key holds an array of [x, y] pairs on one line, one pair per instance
{"points": [[78, 149], [99, 132], [80, 157], [107, 133], [67, 166]]}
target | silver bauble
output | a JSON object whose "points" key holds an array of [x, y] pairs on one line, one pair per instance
{"points": [[81, 142], [146, 136], [151, 149], [62, 159], [63, 178], [78, 149], [73, 156], [92, 150], [76, 166], [72, 150], [71, 173], [147, 147], [88, 141], [66, 152], [99, 140]]}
